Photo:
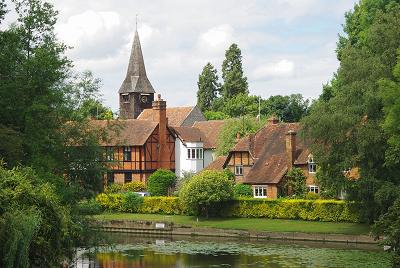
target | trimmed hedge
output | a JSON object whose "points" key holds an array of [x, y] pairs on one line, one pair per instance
{"points": [[296, 209]]}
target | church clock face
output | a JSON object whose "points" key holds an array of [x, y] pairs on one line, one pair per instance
{"points": [[143, 99]]}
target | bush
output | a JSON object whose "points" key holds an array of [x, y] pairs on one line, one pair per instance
{"points": [[312, 196], [242, 190], [161, 205], [131, 202], [206, 192], [89, 207], [113, 188], [296, 183], [296, 209], [160, 182], [110, 202], [134, 186]]}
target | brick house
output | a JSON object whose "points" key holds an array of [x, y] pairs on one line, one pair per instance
{"points": [[263, 159], [134, 148]]}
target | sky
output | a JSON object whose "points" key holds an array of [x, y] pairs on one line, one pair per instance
{"points": [[288, 46]]}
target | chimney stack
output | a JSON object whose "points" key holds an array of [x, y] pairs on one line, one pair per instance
{"points": [[290, 147], [160, 116], [273, 120], [237, 137]]}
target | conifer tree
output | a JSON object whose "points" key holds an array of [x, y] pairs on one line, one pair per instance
{"points": [[208, 87], [232, 73]]}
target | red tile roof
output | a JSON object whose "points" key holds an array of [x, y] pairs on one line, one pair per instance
{"points": [[210, 130], [130, 132], [217, 164], [189, 134], [176, 115], [268, 148]]}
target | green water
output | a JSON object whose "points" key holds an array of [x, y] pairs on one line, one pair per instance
{"points": [[138, 251]]}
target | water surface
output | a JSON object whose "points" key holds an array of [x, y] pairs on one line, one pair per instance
{"points": [[137, 251]]}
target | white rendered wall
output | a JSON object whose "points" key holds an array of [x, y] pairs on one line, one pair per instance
{"points": [[183, 164], [208, 157]]}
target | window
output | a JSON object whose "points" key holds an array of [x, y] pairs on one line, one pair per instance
{"points": [[312, 167], [195, 153], [125, 97], [239, 170], [127, 153], [313, 189], [109, 154], [128, 177], [260, 191]]}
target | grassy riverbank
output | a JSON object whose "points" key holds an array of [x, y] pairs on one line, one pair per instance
{"points": [[256, 224]]}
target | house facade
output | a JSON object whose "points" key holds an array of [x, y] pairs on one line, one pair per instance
{"points": [[263, 159]]}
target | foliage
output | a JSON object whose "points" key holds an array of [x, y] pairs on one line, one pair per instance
{"points": [[215, 115], [113, 188], [160, 182], [206, 191], [241, 104], [312, 196], [35, 228], [89, 207], [208, 87], [232, 73], [296, 182], [287, 108], [227, 136], [388, 226], [187, 175], [134, 186], [313, 210], [161, 205], [347, 124], [242, 190], [131, 202]]}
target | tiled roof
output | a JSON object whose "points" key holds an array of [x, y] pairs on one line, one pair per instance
{"points": [[217, 164], [176, 115], [130, 132], [210, 130], [189, 134], [268, 148]]}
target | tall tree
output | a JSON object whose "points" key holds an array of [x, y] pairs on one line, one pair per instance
{"points": [[208, 87], [232, 73], [346, 124]]}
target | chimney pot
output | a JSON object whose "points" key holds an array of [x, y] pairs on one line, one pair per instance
{"points": [[273, 120]]}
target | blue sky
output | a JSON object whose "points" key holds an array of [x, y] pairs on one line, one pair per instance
{"points": [[287, 45]]}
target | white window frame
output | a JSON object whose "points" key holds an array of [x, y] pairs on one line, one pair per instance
{"points": [[239, 170], [313, 189], [260, 191], [195, 153], [312, 166]]}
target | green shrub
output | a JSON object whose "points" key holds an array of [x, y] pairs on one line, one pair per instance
{"points": [[161, 205], [206, 192], [113, 188], [296, 183], [134, 186], [242, 190], [131, 202], [299, 209], [110, 202], [160, 182], [89, 207]]}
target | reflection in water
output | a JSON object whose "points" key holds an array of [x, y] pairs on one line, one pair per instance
{"points": [[138, 251]]}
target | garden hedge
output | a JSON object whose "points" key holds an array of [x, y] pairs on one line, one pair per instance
{"points": [[296, 209]]}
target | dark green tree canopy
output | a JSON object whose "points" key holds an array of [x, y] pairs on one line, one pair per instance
{"points": [[208, 87], [232, 73]]}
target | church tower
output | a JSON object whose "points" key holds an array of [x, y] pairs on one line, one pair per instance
{"points": [[136, 92]]}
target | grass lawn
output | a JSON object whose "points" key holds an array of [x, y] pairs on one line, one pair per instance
{"points": [[255, 224]]}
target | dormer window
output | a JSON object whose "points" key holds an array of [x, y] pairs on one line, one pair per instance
{"points": [[195, 153], [125, 97], [312, 166]]}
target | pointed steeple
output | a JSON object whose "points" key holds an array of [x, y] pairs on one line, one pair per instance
{"points": [[136, 79]]}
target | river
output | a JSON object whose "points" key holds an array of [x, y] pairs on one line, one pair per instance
{"points": [[126, 250]]}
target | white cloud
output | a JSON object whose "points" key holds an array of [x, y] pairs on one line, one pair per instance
{"points": [[217, 38], [282, 68]]}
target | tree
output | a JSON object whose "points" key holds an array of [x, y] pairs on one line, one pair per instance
{"points": [[241, 105], [232, 73], [242, 190], [160, 182], [232, 127], [346, 125], [296, 182], [211, 115], [205, 192], [287, 108], [208, 87]]}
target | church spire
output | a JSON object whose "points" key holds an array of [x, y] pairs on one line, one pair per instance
{"points": [[136, 79]]}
